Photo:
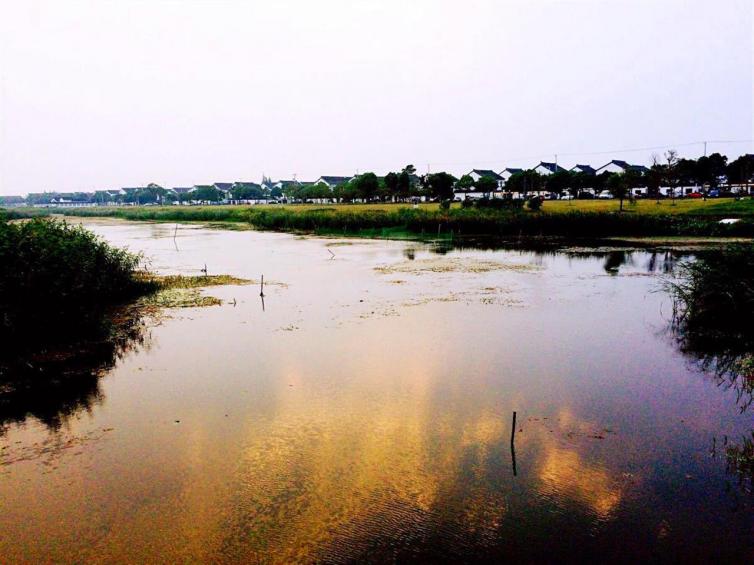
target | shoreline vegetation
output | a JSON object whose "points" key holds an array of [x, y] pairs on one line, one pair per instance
{"points": [[580, 220], [713, 306], [72, 303]]}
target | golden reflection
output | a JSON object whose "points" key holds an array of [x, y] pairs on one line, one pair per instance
{"points": [[566, 473], [336, 462]]}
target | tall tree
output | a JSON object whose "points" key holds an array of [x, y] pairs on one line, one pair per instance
{"points": [[559, 181], [618, 186], [740, 171], [710, 169], [440, 185], [525, 182], [366, 186], [655, 177], [206, 193], [465, 183], [671, 171], [486, 185]]}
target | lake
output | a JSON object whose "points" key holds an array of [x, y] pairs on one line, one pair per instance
{"points": [[361, 411]]}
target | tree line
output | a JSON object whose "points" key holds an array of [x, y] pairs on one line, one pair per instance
{"points": [[667, 170]]}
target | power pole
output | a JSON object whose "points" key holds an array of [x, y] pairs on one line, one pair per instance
{"points": [[705, 148]]}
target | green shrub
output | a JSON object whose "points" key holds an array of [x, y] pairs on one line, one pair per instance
{"points": [[535, 203], [57, 281]]}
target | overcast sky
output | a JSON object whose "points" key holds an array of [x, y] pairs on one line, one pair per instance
{"points": [[110, 94]]}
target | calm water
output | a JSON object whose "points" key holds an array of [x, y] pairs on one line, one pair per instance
{"points": [[363, 413]]}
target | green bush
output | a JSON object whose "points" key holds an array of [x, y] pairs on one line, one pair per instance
{"points": [[535, 203], [57, 281]]}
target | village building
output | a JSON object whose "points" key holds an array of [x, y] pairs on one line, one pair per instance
{"points": [[585, 169], [545, 168], [332, 181], [620, 167]]}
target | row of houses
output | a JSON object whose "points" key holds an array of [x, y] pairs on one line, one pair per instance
{"points": [[545, 168], [136, 195], [267, 189]]}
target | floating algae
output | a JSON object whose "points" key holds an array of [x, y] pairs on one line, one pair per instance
{"points": [[179, 291], [453, 265]]}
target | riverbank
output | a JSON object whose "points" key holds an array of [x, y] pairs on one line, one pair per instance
{"points": [[66, 294], [581, 219]]}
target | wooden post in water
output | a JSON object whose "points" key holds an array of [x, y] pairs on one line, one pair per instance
{"points": [[513, 447], [261, 287], [513, 429]]}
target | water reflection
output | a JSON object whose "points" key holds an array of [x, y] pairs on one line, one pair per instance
{"points": [[387, 439], [712, 325], [53, 386]]}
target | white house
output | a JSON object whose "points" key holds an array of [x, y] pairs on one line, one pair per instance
{"points": [[108, 197], [332, 181], [508, 172], [618, 166], [639, 191], [680, 191], [476, 174], [545, 168], [225, 189], [583, 169]]}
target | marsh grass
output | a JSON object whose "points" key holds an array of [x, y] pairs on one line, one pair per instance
{"points": [[180, 291], [399, 221], [167, 282], [713, 309]]}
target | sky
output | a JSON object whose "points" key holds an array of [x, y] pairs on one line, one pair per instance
{"points": [[98, 95]]}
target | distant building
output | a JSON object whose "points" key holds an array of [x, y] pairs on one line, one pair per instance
{"points": [[618, 166], [70, 203], [476, 174], [224, 188], [332, 181], [247, 184], [267, 184], [508, 172], [586, 169], [545, 168], [285, 184], [108, 197], [12, 201]]}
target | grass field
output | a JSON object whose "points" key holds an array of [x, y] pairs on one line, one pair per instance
{"points": [[689, 206], [579, 219]]}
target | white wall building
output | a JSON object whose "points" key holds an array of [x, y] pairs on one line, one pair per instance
{"points": [[545, 168]]}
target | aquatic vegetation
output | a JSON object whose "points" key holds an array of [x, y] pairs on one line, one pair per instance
{"points": [[713, 313], [166, 282], [395, 221], [713, 309], [453, 265], [740, 461]]}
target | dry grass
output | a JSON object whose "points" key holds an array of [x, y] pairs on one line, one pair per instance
{"points": [[183, 281], [181, 291]]}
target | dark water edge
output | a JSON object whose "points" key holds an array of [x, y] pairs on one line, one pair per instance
{"points": [[53, 384]]}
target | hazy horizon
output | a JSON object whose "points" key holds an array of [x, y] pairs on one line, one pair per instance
{"points": [[105, 95]]}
